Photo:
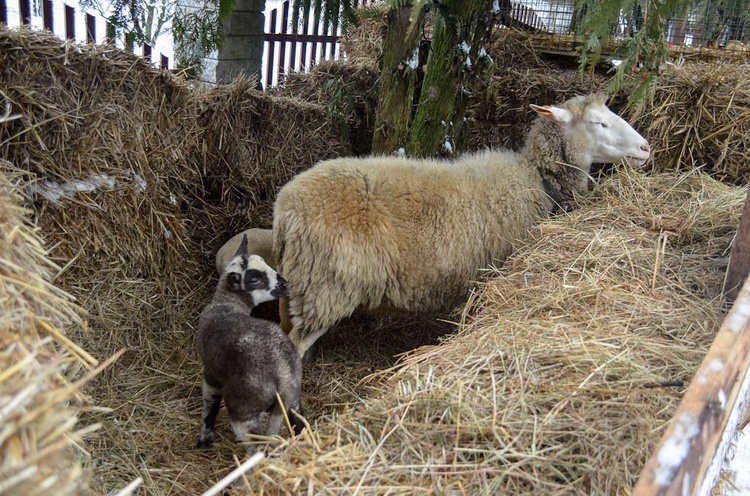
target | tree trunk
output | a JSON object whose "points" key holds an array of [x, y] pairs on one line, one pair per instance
{"points": [[456, 59], [397, 81]]}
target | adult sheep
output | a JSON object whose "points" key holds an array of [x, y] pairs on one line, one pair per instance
{"points": [[399, 234]]}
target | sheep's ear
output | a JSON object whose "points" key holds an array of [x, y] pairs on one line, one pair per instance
{"points": [[555, 114], [242, 250]]}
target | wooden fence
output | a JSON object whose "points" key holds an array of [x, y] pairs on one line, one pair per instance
{"points": [[288, 49], [68, 22]]}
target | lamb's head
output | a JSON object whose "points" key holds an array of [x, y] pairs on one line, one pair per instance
{"points": [[576, 134], [251, 278]]}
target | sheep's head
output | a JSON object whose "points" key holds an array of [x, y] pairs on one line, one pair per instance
{"points": [[250, 276], [597, 134], [580, 132]]}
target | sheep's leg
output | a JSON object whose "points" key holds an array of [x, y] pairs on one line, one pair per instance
{"points": [[306, 343], [284, 318], [297, 424], [211, 405]]}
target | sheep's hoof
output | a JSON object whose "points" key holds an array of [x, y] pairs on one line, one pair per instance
{"points": [[312, 353]]}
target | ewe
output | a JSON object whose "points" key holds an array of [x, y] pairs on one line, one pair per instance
{"points": [[247, 360], [399, 234]]}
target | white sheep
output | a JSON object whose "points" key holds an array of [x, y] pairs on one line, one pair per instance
{"points": [[246, 360], [400, 234]]}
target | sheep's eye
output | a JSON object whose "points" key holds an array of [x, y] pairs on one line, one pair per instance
{"points": [[604, 125], [233, 279]]}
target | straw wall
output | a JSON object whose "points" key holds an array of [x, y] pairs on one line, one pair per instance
{"points": [[39, 440]]}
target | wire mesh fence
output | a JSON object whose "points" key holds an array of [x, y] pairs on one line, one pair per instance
{"points": [[706, 24]]}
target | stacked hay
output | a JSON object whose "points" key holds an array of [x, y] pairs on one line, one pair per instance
{"points": [[564, 369], [39, 442], [347, 91], [100, 135], [701, 118], [134, 179], [249, 145]]}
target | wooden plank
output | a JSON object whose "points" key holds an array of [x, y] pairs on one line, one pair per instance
{"points": [[688, 458], [739, 260]]}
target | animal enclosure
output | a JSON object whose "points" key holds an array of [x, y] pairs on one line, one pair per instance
{"points": [[553, 376]]}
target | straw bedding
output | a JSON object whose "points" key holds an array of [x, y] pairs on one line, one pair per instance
{"points": [[552, 380], [555, 382]]}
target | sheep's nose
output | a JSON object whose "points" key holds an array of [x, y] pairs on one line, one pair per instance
{"points": [[282, 287], [646, 148]]}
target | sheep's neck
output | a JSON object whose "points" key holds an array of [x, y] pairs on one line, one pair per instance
{"points": [[561, 168], [226, 296]]}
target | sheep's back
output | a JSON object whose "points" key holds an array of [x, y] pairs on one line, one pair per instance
{"points": [[413, 233]]}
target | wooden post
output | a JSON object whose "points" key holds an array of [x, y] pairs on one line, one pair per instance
{"points": [[689, 456], [739, 260]]}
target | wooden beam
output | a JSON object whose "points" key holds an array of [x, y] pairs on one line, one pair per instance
{"points": [[689, 456], [739, 260]]}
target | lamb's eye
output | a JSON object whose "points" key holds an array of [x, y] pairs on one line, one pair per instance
{"points": [[253, 282]]}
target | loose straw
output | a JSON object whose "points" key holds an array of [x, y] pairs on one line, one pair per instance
{"points": [[236, 473]]}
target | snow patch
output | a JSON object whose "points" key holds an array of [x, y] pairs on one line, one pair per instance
{"points": [[675, 449], [740, 313], [413, 62], [58, 193]]}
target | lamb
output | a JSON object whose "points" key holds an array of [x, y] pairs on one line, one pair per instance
{"points": [[247, 361], [400, 234], [259, 242]]}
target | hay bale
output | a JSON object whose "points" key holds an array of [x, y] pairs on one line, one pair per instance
{"points": [[40, 445], [100, 136], [252, 143], [347, 90], [559, 374], [363, 43], [701, 118], [498, 112]]}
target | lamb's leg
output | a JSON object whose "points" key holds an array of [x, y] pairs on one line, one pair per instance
{"points": [[211, 405], [275, 418], [245, 430]]}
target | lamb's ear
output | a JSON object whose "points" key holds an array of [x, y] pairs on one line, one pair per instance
{"points": [[242, 250], [555, 114]]}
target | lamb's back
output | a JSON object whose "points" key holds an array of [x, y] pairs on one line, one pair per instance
{"points": [[236, 347]]}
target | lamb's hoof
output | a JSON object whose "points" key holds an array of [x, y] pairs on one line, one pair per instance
{"points": [[204, 443]]}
